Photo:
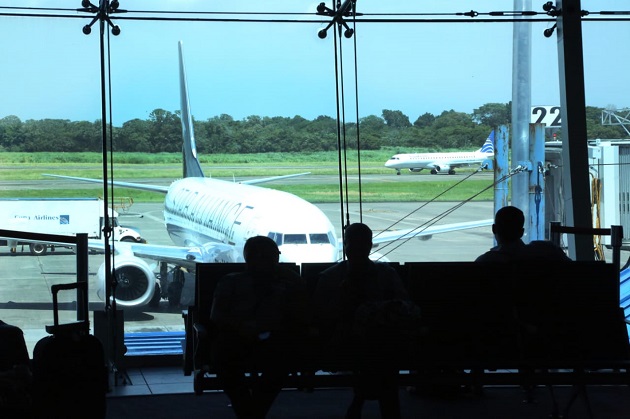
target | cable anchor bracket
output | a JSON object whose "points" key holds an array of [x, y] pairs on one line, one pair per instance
{"points": [[343, 10], [103, 12]]}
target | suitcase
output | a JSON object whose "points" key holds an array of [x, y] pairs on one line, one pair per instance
{"points": [[15, 374], [13, 350], [70, 376]]}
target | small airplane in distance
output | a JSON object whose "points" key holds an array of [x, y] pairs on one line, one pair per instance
{"points": [[442, 162], [209, 220]]}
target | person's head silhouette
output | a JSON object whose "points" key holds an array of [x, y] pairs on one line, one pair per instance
{"points": [[357, 242], [508, 225], [261, 254]]}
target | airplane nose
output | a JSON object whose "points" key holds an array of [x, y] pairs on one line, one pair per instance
{"points": [[308, 253]]}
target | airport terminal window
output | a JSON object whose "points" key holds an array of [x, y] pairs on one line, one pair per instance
{"points": [[146, 124]]}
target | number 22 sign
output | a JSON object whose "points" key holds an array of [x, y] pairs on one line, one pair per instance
{"points": [[549, 115]]}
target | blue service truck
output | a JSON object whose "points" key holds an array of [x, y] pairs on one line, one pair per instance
{"points": [[66, 216]]}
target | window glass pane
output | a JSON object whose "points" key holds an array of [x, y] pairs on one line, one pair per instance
{"points": [[295, 239], [319, 239], [273, 93]]}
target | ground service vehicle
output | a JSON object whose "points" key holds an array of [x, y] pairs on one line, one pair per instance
{"points": [[66, 216]]}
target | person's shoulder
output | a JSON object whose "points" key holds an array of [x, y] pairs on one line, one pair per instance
{"points": [[493, 256], [384, 268], [544, 249], [289, 271], [339, 268], [235, 276], [289, 275], [232, 282], [333, 275]]}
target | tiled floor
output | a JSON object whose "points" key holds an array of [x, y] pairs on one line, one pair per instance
{"points": [[497, 402], [152, 380]]}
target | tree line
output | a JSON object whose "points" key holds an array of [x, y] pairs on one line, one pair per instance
{"points": [[255, 134]]}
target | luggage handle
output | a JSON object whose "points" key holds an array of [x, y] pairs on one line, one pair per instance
{"points": [[80, 286]]}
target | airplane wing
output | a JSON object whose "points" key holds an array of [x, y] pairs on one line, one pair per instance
{"points": [[426, 233], [164, 189], [177, 255], [140, 186], [271, 179]]}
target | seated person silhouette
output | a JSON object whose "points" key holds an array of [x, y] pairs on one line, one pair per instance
{"points": [[508, 231], [260, 315], [343, 292]]}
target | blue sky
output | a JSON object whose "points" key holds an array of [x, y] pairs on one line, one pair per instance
{"points": [[50, 69]]}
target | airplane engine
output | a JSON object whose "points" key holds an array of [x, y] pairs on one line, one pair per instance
{"points": [[437, 168], [136, 281]]}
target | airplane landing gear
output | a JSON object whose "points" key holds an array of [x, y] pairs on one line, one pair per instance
{"points": [[169, 290], [398, 172], [433, 172], [451, 172], [175, 287]]}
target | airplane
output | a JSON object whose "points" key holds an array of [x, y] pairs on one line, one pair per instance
{"points": [[209, 220], [442, 162]]}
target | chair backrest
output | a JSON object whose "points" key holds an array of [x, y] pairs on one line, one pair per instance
{"points": [[310, 272], [575, 308], [207, 275]]}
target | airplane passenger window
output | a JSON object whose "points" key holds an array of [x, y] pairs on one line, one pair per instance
{"points": [[295, 239], [319, 238]]}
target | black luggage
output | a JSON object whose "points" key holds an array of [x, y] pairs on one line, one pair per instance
{"points": [[69, 372], [15, 374], [13, 350]]}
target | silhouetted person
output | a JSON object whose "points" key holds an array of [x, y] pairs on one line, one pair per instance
{"points": [[260, 315], [508, 230], [342, 301]]}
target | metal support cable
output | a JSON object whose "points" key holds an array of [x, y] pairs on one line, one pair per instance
{"points": [[428, 202], [410, 235]]}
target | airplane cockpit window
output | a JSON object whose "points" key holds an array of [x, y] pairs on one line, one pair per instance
{"points": [[319, 238], [331, 237], [394, 158], [277, 237], [294, 239]]}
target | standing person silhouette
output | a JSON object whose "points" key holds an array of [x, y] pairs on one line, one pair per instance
{"points": [[261, 315], [345, 290]]}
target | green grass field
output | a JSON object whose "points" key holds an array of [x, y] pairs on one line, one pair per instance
{"points": [[32, 166]]}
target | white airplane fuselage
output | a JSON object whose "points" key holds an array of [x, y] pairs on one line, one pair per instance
{"points": [[440, 162], [198, 211]]}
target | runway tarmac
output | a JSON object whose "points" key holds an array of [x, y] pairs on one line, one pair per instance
{"points": [[26, 280]]}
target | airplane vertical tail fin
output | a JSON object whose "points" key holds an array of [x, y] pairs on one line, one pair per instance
{"points": [[192, 168], [488, 146]]}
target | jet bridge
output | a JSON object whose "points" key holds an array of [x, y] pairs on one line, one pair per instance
{"points": [[609, 168]]}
